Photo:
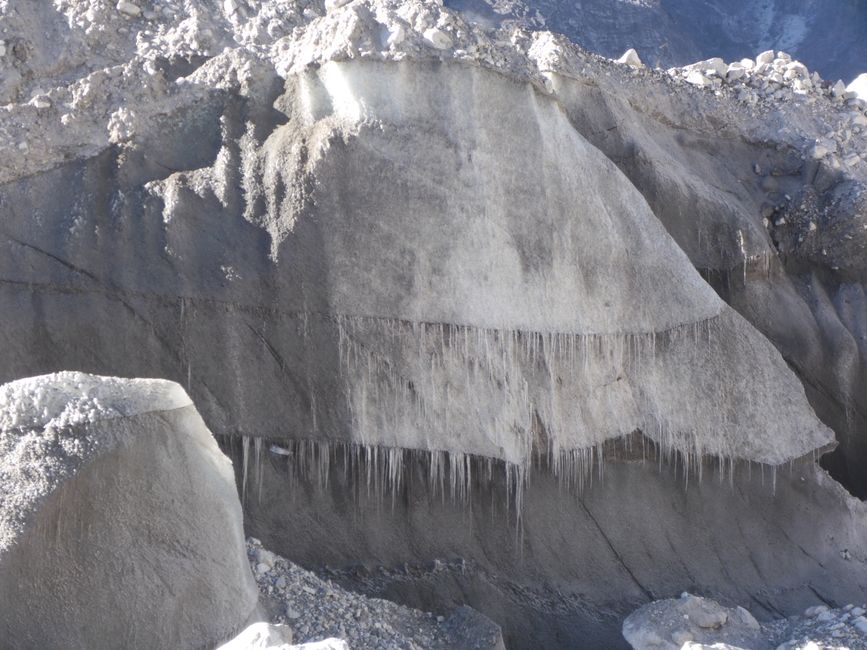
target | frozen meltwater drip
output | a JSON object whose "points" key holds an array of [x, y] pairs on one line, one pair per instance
{"points": [[433, 379], [383, 474], [528, 396]]}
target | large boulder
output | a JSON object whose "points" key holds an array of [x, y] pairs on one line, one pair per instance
{"points": [[672, 623], [120, 524]]}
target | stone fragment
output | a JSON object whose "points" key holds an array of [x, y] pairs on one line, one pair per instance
{"points": [[128, 8], [813, 612], [696, 78], [765, 57], [630, 57], [438, 38], [735, 71]]}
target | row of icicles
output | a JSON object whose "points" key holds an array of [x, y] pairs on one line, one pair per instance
{"points": [[386, 474]]}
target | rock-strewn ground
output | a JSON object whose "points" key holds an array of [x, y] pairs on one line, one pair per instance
{"points": [[691, 622], [318, 609], [823, 627]]}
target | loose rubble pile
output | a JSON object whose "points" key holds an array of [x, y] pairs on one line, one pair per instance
{"points": [[774, 77], [771, 76], [317, 609], [63, 101], [675, 623], [821, 627], [692, 622]]}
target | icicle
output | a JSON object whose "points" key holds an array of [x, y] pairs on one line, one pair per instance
{"points": [[245, 464]]}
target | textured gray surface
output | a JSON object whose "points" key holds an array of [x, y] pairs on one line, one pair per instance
{"points": [[137, 541]]}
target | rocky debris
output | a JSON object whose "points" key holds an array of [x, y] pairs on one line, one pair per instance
{"points": [[675, 623], [775, 77], [129, 8], [630, 57], [315, 608], [820, 627], [691, 622], [680, 31], [115, 498], [245, 44]]}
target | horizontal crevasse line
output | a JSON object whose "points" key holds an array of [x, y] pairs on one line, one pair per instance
{"points": [[253, 309]]}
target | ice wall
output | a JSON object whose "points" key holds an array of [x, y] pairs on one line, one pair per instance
{"points": [[494, 284]]}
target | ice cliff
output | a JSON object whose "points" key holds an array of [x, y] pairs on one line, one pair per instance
{"points": [[399, 247]]}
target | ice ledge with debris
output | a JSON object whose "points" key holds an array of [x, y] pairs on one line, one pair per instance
{"points": [[63, 103]]}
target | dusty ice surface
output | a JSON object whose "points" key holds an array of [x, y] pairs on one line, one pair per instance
{"points": [[44, 437]]}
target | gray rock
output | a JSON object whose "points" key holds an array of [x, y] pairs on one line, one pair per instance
{"points": [[690, 619], [765, 57], [630, 57], [128, 8]]}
